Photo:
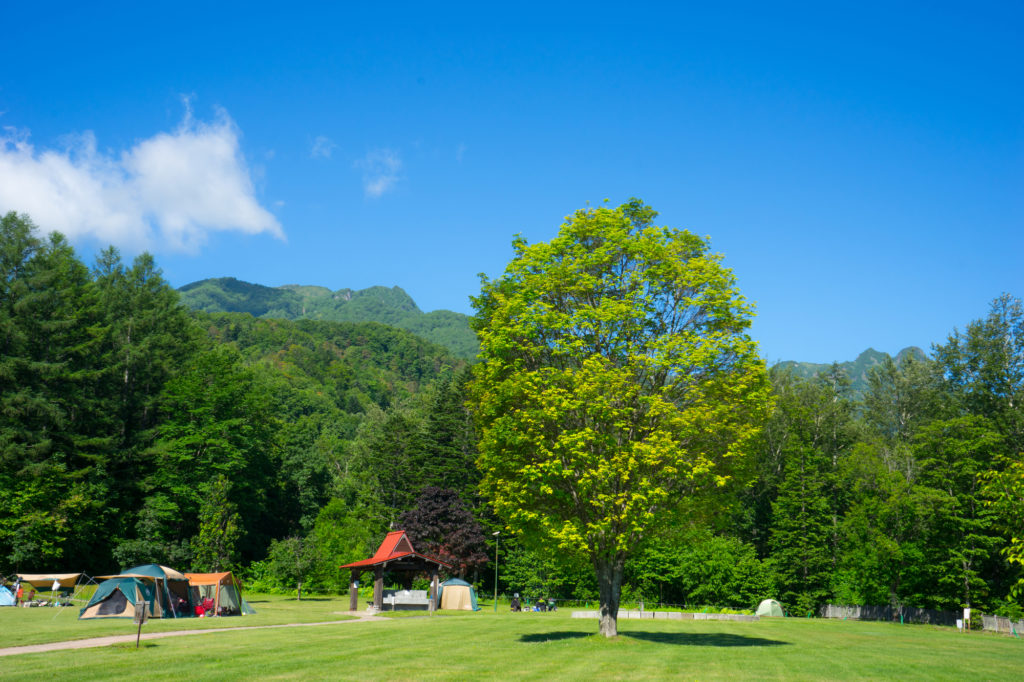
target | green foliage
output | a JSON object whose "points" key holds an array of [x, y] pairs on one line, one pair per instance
{"points": [[54, 451], [1004, 490], [984, 368], [218, 424], [292, 560], [155, 538], [885, 533], [616, 380], [341, 535], [219, 529], [953, 455], [803, 443], [537, 574], [697, 567]]}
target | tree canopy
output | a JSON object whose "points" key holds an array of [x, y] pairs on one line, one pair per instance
{"points": [[617, 380]]}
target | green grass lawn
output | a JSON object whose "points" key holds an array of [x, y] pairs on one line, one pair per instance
{"points": [[550, 646], [20, 626]]}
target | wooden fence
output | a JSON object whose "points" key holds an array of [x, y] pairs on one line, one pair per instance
{"points": [[890, 613]]}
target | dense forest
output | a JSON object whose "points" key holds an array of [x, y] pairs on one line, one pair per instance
{"points": [[133, 429]]}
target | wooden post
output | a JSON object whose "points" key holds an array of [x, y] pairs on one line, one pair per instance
{"points": [[353, 591], [378, 588], [433, 589]]}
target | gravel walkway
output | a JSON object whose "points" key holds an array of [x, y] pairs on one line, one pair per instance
{"points": [[360, 617]]}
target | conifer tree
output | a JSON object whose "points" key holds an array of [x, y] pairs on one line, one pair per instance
{"points": [[215, 547]]}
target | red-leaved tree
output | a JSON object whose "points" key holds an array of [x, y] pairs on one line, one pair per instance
{"points": [[440, 525]]}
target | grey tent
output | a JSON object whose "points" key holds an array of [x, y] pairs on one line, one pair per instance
{"points": [[457, 595]]}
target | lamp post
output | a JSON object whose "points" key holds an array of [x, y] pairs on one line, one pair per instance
{"points": [[497, 539]]}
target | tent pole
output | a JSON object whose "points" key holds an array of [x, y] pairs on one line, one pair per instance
{"points": [[167, 594]]}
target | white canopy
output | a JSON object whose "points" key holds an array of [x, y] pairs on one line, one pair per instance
{"points": [[46, 580]]}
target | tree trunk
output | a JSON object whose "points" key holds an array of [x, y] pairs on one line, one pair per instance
{"points": [[609, 582]]}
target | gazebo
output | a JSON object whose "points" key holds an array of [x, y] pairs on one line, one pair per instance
{"points": [[394, 554]]}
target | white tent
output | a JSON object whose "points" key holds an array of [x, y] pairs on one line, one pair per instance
{"points": [[770, 608]]}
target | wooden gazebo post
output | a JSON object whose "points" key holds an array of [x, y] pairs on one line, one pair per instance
{"points": [[353, 591], [378, 588]]}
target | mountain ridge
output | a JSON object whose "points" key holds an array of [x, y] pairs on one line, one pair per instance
{"points": [[857, 370], [395, 307], [387, 305]]}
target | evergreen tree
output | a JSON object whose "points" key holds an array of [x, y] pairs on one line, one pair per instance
{"points": [[802, 533], [449, 440], [51, 450], [214, 548], [953, 455], [811, 432]]}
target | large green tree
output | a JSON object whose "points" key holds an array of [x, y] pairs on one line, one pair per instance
{"points": [[617, 381], [809, 434], [52, 447]]}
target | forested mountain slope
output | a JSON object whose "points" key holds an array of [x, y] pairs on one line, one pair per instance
{"points": [[132, 427], [856, 370], [293, 302]]}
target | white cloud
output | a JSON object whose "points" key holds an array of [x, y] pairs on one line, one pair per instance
{"points": [[323, 147], [168, 191], [380, 171]]}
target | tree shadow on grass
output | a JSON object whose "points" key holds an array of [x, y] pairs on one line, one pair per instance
{"points": [[702, 639], [678, 638], [553, 636]]}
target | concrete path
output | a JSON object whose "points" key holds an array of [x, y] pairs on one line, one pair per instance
{"points": [[360, 617]]}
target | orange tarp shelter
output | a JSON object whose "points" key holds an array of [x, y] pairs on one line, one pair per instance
{"points": [[224, 589]]}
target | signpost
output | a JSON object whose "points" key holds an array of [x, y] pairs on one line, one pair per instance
{"points": [[141, 616]]}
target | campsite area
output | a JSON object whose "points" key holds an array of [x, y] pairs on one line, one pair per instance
{"points": [[485, 644]]}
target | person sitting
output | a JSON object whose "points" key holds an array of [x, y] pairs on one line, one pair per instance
{"points": [[516, 606], [208, 606]]}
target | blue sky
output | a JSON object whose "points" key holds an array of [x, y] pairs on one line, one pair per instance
{"points": [[860, 166]]}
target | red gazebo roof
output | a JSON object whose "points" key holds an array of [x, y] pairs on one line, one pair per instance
{"points": [[396, 545]]}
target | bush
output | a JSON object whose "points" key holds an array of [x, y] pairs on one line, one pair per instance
{"points": [[1011, 610]]}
